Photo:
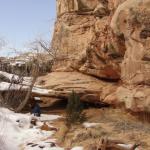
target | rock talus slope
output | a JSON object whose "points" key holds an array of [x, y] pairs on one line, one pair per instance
{"points": [[110, 40]]}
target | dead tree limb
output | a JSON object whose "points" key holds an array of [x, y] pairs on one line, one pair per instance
{"points": [[24, 102]]}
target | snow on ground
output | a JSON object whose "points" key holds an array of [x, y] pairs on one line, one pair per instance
{"points": [[40, 90], [16, 132], [23, 84], [13, 77], [45, 117], [127, 146], [77, 148], [89, 125], [4, 86], [9, 76], [37, 98]]}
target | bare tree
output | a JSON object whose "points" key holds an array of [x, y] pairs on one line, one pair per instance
{"points": [[35, 73], [40, 45], [18, 88], [20, 97]]}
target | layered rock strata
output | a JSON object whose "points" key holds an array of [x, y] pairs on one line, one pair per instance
{"points": [[110, 40]]}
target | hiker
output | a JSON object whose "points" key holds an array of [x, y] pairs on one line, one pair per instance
{"points": [[36, 110]]}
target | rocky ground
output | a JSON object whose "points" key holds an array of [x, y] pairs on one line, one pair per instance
{"points": [[108, 123], [50, 131]]}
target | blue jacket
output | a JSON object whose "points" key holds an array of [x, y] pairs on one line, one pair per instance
{"points": [[36, 110]]}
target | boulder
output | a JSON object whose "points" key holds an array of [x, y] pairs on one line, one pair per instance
{"points": [[133, 98], [136, 99]]}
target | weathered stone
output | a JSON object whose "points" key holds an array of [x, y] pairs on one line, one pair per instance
{"points": [[136, 99], [62, 84], [86, 43], [132, 19], [108, 39], [101, 10], [67, 6]]}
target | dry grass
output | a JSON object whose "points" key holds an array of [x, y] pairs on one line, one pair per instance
{"points": [[113, 123]]}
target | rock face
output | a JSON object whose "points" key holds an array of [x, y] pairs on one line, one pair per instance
{"points": [[85, 40], [108, 39], [67, 6], [62, 83], [132, 19]]}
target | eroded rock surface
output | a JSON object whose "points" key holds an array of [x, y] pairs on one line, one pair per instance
{"points": [[62, 84], [110, 40], [132, 19], [85, 41]]}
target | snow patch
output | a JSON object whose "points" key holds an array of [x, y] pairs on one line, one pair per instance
{"points": [[77, 148], [37, 98], [40, 91], [13, 77], [4, 86], [89, 125], [127, 146], [16, 130]]}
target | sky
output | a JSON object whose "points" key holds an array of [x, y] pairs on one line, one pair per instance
{"points": [[21, 21]]}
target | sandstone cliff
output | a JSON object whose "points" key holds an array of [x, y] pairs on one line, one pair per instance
{"points": [[110, 40]]}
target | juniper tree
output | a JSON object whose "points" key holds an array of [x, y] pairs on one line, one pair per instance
{"points": [[74, 110]]}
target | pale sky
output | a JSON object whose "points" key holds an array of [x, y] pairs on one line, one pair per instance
{"points": [[21, 21]]}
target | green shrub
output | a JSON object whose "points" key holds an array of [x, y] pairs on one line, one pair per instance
{"points": [[74, 110]]}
